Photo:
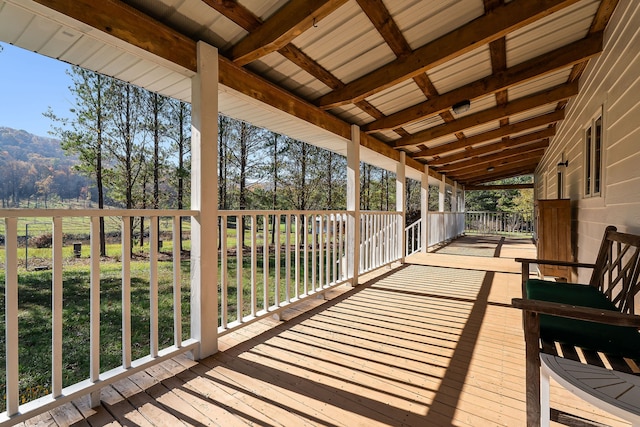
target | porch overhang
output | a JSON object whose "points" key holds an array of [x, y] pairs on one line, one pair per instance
{"points": [[311, 72]]}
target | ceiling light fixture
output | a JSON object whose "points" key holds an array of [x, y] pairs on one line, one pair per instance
{"points": [[461, 107], [490, 169]]}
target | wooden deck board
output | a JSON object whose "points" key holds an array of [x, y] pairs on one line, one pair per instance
{"points": [[432, 343]]}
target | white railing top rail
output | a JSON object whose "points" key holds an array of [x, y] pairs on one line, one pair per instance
{"points": [[50, 213]]}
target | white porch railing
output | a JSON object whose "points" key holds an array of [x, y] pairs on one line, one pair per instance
{"points": [[98, 376], [280, 258], [268, 261], [288, 256], [379, 237], [413, 240], [498, 222], [442, 227]]}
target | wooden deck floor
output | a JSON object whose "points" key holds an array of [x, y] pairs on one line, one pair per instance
{"points": [[431, 343]]}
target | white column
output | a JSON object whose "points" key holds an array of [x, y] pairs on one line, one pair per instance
{"points": [[424, 210], [401, 206], [204, 198], [454, 197], [441, 193], [353, 205]]}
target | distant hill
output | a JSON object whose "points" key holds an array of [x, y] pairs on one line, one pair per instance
{"points": [[35, 167], [21, 145]]}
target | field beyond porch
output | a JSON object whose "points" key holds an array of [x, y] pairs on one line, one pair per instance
{"points": [[433, 342]]}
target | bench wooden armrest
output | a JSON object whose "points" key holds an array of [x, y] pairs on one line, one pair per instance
{"points": [[553, 262], [577, 312]]}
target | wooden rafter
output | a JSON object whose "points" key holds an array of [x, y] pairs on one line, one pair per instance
{"points": [[544, 64], [499, 187], [236, 12], [483, 30], [548, 96], [501, 132], [505, 155], [504, 143], [287, 23], [530, 163], [383, 22], [498, 52], [507, 173]]}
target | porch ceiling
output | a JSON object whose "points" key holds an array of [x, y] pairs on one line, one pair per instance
{"points": [[395, 68]]}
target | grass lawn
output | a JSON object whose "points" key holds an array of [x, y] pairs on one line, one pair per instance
{"points": [[35, 322]]}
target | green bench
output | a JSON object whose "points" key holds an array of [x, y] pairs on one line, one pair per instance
{"points": [[594, 324]]}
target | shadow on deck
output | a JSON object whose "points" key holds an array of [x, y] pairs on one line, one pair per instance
{"points": [[431, 343]]}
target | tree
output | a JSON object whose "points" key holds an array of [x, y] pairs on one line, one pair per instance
{"points": [[178, 131], [126, 144], [85, 135]]}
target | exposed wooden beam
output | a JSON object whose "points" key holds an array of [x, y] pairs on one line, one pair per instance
{"points": [[549, 62], [548, 96], [525, 170], [513, 161], [126, 23], [383, 21], [302, 60], [529, 163], [483, 30], [499, 187], [236, 12], [287, 23], [517, 127], [476, 162], [390, 32], [504, 143]]}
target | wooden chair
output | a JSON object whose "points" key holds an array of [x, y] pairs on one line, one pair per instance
{"points": [[592, 324]]}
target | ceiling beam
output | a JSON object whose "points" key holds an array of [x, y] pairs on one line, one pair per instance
{"points": [[557, 93], [476, 162], [499, 187], [236, 12], [528, 163], [291, 20], [504, 143], [526, 170], [549, 62], [513, 161], [545, 119], [485, 29]]}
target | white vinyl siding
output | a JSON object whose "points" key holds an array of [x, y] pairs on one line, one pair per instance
{"points": [[609, 100]]}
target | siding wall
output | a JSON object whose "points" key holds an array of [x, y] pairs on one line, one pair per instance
{"points": [[610, 82]]}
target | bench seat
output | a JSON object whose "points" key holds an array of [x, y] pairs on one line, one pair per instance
{"points": [[600, 337]]}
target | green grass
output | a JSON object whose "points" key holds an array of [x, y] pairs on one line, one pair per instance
{"points": [[34, 323]]}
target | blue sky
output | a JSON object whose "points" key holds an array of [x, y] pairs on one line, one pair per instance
{"points": [[29, 84]]}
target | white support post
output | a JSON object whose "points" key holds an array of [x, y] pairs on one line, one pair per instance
{"points": [[126, 291], [401, 206], [204, 198], [11, 315], [454, 197], [441, 193], [424, 210], [94, 310], [56, 309], [353, 204]]}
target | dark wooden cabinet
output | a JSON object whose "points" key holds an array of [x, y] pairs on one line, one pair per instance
{"points": [[553, 232]]}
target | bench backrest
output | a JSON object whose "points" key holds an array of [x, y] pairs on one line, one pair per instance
{"points": [[617, 269]]}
